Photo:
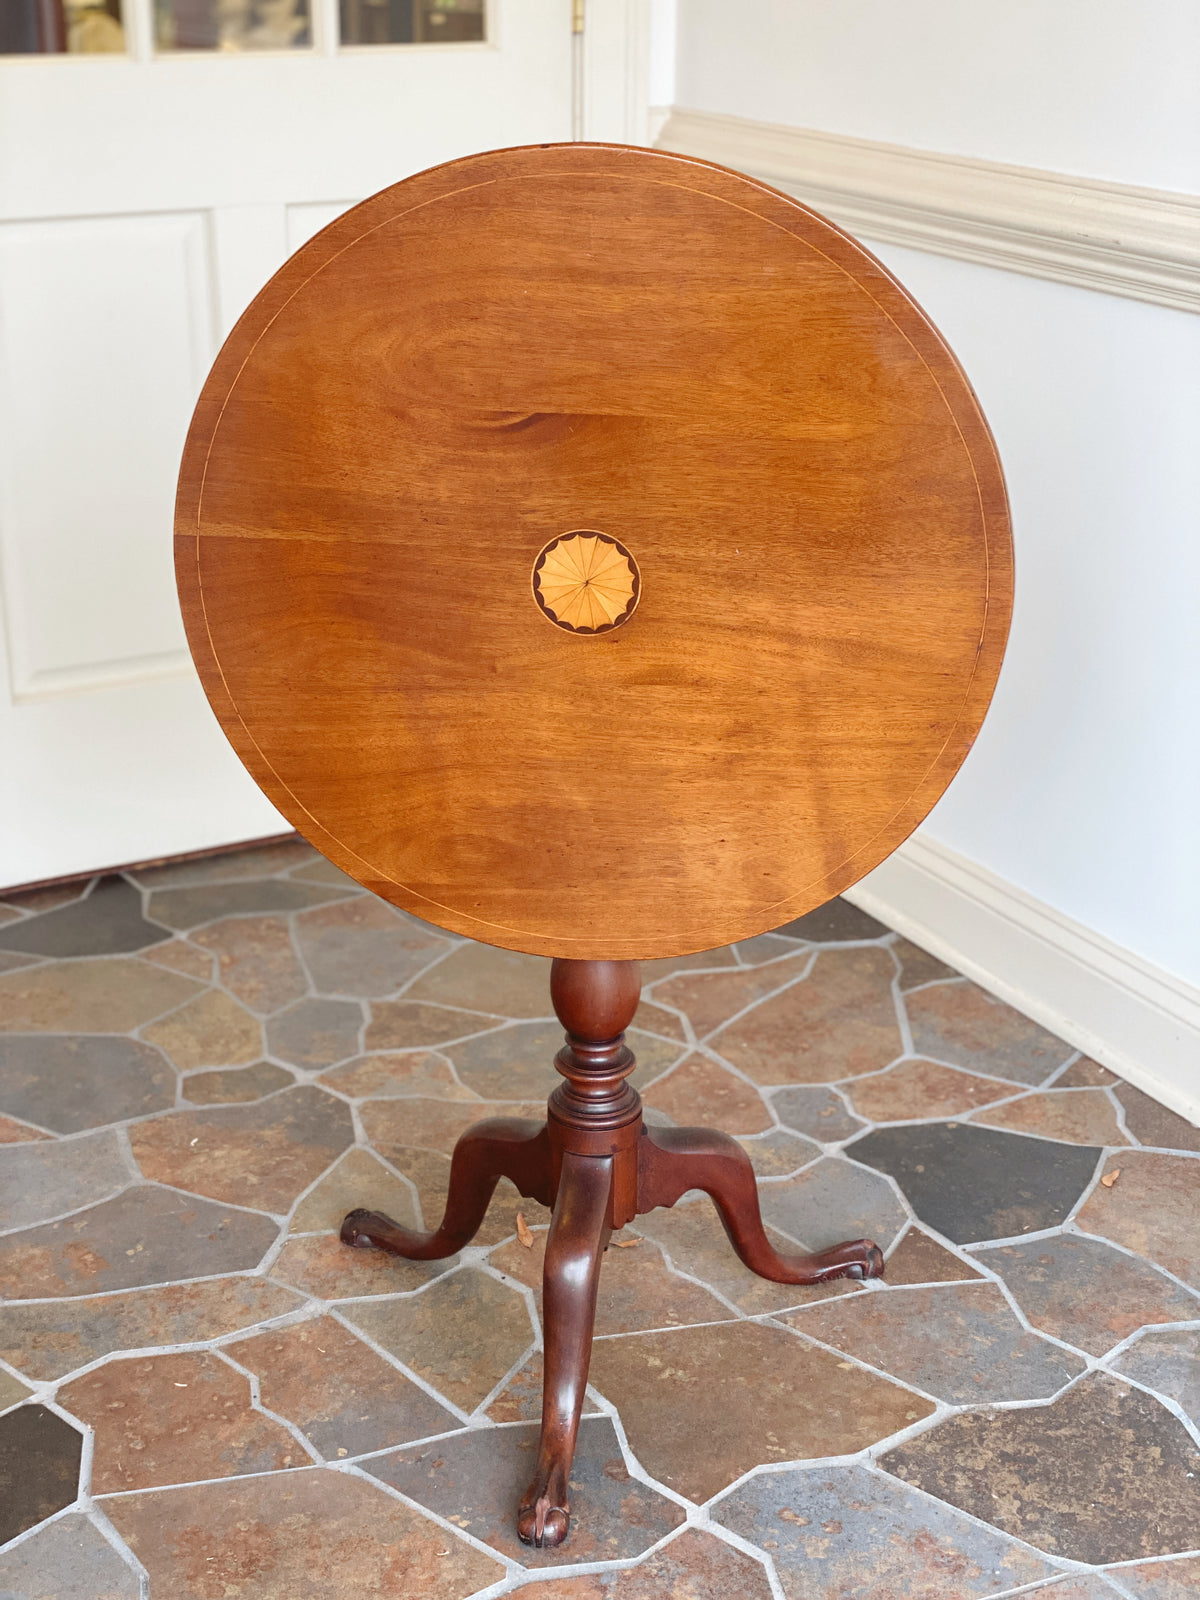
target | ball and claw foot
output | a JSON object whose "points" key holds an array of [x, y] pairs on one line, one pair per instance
{"points": [[543, 1524]]}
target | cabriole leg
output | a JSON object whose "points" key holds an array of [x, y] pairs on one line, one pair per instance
{"points": [[578, 1235], [673, 1160], [502, 1147]]}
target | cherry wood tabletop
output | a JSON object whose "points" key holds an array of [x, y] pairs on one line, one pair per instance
{"points": [[594, 551]]}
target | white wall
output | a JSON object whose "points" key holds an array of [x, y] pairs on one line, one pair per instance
{"points": [[1100, 88], [1084, 787]]}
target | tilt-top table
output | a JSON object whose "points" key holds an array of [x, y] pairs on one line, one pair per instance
{"points": [[596, 553]]}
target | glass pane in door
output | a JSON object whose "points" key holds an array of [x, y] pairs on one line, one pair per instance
{"points": [[413, 21], [53, 27], [232, 24]]}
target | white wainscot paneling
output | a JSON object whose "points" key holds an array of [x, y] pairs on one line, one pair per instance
{"points": [[105, 338]]}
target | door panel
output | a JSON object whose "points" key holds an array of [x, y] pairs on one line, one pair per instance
{"points": [[145, 197]]}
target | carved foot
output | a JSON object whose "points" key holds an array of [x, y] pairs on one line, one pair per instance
{"points": [[502, 1147], [673, 1160]]}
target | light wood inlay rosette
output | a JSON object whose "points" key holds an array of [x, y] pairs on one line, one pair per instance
{"points": [[586, 582]]}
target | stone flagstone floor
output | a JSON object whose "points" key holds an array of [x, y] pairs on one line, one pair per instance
{"points": [[204, 1396]]}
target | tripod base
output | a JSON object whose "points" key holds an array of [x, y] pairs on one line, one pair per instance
{"points": [[598, 1166]]}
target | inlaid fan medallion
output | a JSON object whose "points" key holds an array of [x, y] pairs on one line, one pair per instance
{"points": [[586, 582]]}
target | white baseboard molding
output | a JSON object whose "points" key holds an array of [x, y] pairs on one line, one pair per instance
{"points": [[1142, 1022], [1141, 243]]}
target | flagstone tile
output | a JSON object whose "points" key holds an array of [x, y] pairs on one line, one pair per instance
{"points": [[111, 994], [1104, 1474], [236, 1085], [917, 966], [11, 962], [108, 922], [429, 1170], [921, 1089], [514, 1063], [476, 1478], [319, 1264], [308, 1535], [971, 1184], [11, 1391], [47, 1179], [461, 1335], [1152, 1123], [1077, 1116], [832, 1201], [74, 1082], [920, 1259], [1086, 1074], [263, 1154], [51, 1338], [175, 1419], [521, 1399], [256, 960], [410, 1025], [184, 909], [766, 947], [1086, 1293], [1162, 1580], [971, 1347], [844, 1531], [229, 866], [146, 1235], [818, 1112], [364, 947], [702, 1406], [478, 977], [393, 1125], [657, 1019], [704, 1094], [961, 1023], [701, 960], [322, 871], [12, 1132], [1151, 1209], [212, 1030], [695, 1566], [39, 1467], [180, 955], [837, 1023], [47, 896], [637, 1290], [68, 1560], [337, 1391], [316, 1033], [833, 923], [1169, 1362], [696, 1243], [1083, 1588], [358, 1181], [711, 998], [419, 1073], [778, 1154]]}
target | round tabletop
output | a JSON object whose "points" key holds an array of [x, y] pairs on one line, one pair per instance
{"points": [[593, 551]]}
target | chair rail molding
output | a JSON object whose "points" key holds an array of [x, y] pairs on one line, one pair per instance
{"points": [[1140, 243], [1126, 1013]]}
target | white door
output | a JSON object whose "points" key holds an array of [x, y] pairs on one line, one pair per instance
{"points": [[159, 159]]}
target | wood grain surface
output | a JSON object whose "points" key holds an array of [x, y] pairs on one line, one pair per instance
{"points": [[500, 351]]}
